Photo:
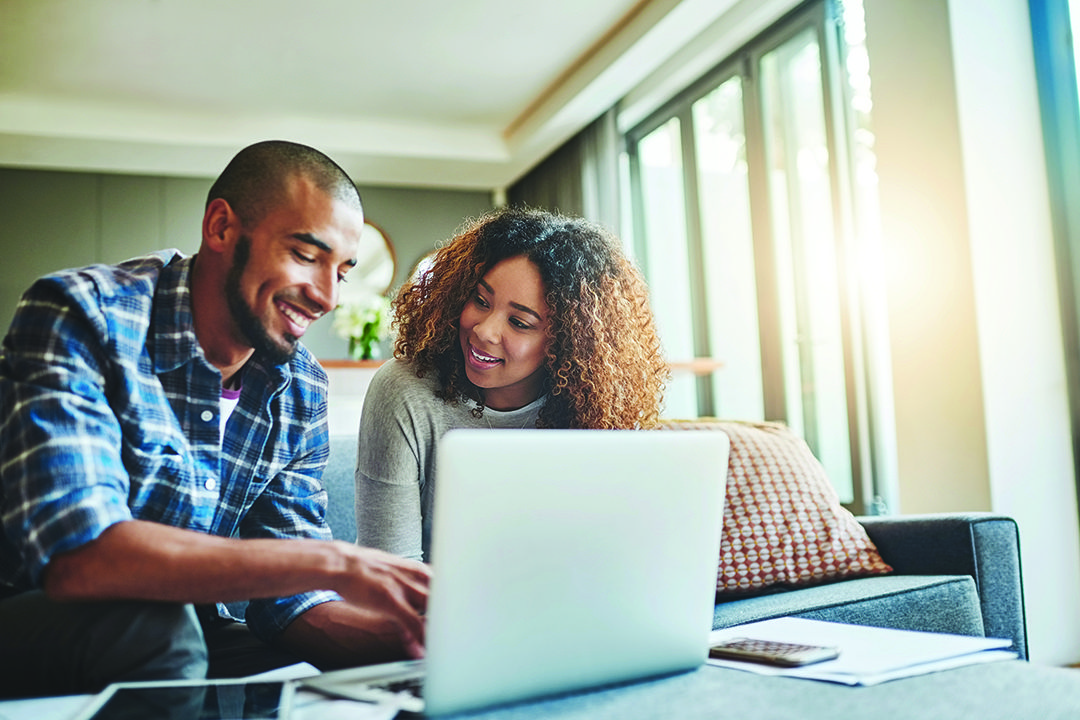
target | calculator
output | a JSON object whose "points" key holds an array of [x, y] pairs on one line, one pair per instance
{"points": [[773, 652]]}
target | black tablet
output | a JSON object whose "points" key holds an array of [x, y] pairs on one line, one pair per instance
{"points": [[193, 700]]}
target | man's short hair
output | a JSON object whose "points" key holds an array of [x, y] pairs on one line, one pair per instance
{"points": [[254, 181]]}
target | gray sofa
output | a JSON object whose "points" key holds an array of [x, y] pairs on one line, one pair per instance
{"points": [[956, 573]]}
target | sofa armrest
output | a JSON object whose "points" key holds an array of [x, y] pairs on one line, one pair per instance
{"points": [[983, 545]]}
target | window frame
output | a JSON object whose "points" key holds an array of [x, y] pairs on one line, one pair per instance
{"points": [[822, 16]]}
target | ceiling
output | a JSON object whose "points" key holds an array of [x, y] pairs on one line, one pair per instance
{"points": [[466, 94]]}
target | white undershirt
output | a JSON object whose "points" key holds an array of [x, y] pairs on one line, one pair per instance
{"points": [[229, 400]]}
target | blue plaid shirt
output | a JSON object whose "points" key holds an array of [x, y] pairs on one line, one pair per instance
{"points": [[110, 411]]}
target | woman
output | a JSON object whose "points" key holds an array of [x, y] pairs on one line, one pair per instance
{"points": [[526, 319]]}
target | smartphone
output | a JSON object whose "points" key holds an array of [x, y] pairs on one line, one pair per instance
{"points": [[773, 652]]}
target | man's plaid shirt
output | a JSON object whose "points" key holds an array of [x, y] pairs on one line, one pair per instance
{"points": [[110, 411]]}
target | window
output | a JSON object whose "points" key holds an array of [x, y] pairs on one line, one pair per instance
{"points": [[727, 251], [753, 193], [659, 173]]}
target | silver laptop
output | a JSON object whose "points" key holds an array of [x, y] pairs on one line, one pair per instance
{"points": [[562, 560]]}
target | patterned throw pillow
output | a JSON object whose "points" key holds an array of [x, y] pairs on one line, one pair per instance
{"points": [[783, 522]]}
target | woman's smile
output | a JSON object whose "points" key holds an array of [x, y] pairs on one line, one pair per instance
{"points": [[480, 360]]}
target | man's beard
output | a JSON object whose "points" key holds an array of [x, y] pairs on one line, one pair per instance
{"points": [[253, 329]]}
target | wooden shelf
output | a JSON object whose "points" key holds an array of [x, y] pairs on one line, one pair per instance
{"points": [[697, 366], [369, 364]]}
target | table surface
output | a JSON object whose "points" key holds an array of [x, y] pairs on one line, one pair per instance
{"points": [[1011, 689]]}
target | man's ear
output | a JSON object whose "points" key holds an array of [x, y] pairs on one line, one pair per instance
{"points": [[219, 221]]}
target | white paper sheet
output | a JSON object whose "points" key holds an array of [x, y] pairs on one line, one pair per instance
{"points": [[868, 655], [308, 705]]}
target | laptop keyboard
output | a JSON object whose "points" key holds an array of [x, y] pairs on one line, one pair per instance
{"points": [[404, 689], [413, 686]]}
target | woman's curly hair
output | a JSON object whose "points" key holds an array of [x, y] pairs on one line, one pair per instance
{"points": [[605, 368]]}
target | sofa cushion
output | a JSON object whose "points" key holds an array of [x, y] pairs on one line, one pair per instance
{"points": [[930, 603], [338, 478], [783, 521]]}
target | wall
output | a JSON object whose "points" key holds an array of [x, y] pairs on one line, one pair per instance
{"points": [[935, 354], [1020, 331], [55, 220], [981, 414]]}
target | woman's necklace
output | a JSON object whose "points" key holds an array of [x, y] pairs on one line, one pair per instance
{"points": [[521, 427], [528, 416]]}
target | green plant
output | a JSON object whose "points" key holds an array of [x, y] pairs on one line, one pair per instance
{"points": [[365, 325]]}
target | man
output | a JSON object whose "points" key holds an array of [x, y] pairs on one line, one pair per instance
{"points": [[162, 438]]}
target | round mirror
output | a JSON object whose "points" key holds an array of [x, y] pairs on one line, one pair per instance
{"points": [[376, 263], [423, 266]]}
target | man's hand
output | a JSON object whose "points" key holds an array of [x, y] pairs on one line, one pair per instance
{"points": [[372, 576], [390, 587], [381, 619], [385, 595]]}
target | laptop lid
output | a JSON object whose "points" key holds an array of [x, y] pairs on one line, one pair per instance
{"points": [[568, 559]]}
